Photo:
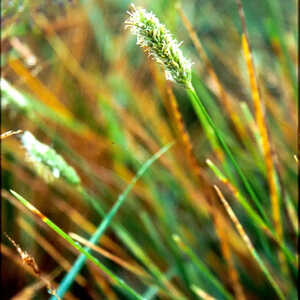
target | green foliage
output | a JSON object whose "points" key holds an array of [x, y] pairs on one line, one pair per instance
{"points": [[158, 230]]}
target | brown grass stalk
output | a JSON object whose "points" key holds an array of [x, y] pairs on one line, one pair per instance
{"points": [[227, 254], [130, 266], [50, 249], [29, 260], [202, 294], [263, 131]]}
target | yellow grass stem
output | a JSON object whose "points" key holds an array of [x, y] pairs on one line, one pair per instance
{"points": [[202, 294], [182, 133], [193, 164], [249, 244], [130, 266], [39, 89], [227, 254], [267, 152], [9, 133]]}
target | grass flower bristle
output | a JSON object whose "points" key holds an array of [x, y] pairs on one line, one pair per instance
{"points": [[158, 42]]}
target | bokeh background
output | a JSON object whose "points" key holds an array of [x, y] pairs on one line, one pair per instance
{"points": [[100, 102]]}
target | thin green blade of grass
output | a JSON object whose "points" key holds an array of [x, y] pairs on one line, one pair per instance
{"points": [[102, 32], [256, 218], [153, 290], [203, 114], [32, 107], [201, 266], [209, 102], [134, 247], [77, 266], [276, 23], [82, 250], [143, 257], [251, 213]]}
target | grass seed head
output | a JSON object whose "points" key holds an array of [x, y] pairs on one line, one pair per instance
{"points": [[47, 162], [158, 42]]}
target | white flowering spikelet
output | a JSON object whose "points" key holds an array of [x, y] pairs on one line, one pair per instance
{"points": [[158, 42], [46, 161], [12, 96]]}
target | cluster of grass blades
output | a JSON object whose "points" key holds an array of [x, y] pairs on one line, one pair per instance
{"points": [[170, 175]]}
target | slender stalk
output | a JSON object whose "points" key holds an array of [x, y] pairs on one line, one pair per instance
{"points": [[249, 244], [79, 263], [252, 213], [82, 250], [202, 267], [260, 116], [203, 114]]}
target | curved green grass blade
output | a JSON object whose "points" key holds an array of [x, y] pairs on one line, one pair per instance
{"points": [[202, 267], [119, 282], [71, 275], [203, 114]]}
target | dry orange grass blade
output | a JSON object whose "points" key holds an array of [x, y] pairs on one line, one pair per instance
{"points": [[238, 196], [9, 253], [9, 133], [204, 184], [29, 292], [39, 89], [249, 244], [49, 99], [50, 249], [182, 133], [90, 84], [227, 253], [87, 226], [235, 220], [170, 103], [202, 294], [24, 51], [262, 127], [130, 266], [29, 260]]}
